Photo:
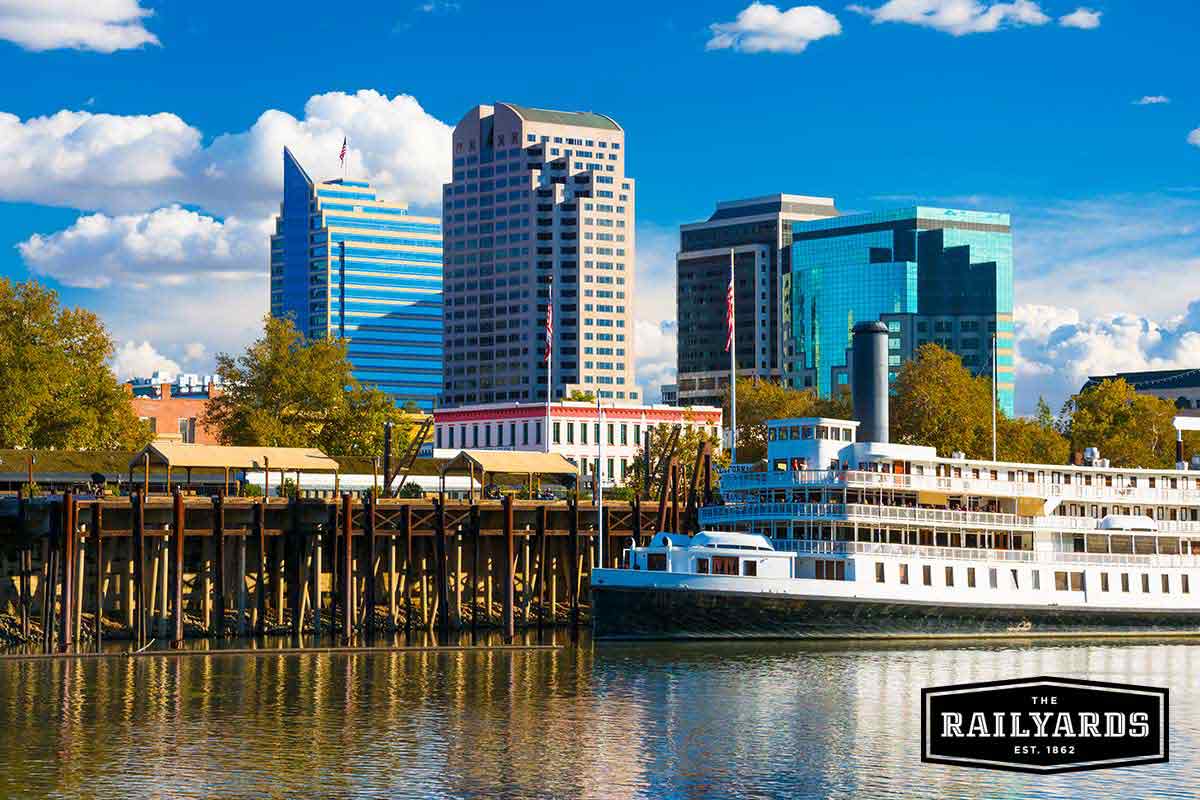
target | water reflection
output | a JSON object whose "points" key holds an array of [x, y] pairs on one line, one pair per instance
{"points": [[613, 720]]}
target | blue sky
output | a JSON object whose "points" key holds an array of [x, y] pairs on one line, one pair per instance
{"points": [[150, 197]]}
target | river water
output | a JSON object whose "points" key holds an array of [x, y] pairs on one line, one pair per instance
{"points": [[693, 720]]}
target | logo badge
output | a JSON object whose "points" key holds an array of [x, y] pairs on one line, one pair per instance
{"points": [[1044, 725]]}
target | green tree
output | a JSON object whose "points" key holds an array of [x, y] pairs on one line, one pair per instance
{"points": [[56, 389], [1131, 429], [285, 391], [762, 400], [578, 395], [939, 403], [1030, 441], [690, 439]]}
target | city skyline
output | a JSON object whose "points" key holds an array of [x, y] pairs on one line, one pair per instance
{"points": [[128, 195]]}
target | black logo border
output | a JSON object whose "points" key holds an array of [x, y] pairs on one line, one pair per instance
{"points": [[1162, 691]]}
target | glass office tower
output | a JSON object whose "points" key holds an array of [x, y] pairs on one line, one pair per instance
{"points": [[347, 264], [931, 274]]}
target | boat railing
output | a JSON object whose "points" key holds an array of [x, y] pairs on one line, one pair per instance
{"points": [[748, 480], [817, 547], [865, 512]]}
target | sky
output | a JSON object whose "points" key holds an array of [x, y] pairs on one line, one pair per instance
{"points": [[141, 141]]}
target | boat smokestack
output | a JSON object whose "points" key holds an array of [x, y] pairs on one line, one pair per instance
{"points": [[869, 380]]}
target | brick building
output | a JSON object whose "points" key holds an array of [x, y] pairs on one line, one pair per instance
{"points": [[174, 406]]}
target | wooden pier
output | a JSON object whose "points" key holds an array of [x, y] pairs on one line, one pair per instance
{"points": [[170, 567]]}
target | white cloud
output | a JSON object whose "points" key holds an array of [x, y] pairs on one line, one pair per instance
{"points": [[104, 26], [1083, 18], [133, 360], [1194, 137], [170, 247], [958, 17], [440, 7], [764, 28], [120, 163], [1152, 100], [1057, 349], [194, 351], [654, 308]]}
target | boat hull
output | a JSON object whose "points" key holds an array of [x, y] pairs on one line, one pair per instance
{"points": [[639, 612]]}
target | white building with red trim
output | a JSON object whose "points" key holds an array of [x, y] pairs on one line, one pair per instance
{"points": [[571, 428]]}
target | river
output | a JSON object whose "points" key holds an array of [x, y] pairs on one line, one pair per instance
{"points": [[692, 720]]}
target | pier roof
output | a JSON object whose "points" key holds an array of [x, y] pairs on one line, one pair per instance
{"points": [[510, 462], [203, 456]]}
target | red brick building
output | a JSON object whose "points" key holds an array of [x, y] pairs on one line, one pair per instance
{"points": [[174, 407]]}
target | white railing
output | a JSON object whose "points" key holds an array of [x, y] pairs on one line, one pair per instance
{"points": [[806, 546], [863, 512], [742, 480]]}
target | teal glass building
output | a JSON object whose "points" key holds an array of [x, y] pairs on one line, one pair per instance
{"points": [[346, 264], [931, 274]]}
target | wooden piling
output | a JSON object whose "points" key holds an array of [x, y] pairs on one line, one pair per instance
{"points": [[295, 562], [179, 526], [391, 582], [442, 577], [24, 557], [410, 579], [259, 530], [347, 559], [372, 554], [509, 568], [218, 533], [573, 555], [69, 542], [474, 534], [241, 584], [138, 605], [318, 544], [540, 578]]}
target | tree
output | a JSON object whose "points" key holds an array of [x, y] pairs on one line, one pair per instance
{"points": [[690, 439], [1131, 429], [939, 403], [1030, 442], [578, 395], [285, 391], [761, 400], [56, 389]]}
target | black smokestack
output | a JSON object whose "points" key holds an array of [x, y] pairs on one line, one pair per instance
{"points": [[869, 381]]}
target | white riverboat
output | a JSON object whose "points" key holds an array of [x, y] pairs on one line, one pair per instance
{"points": [[837, 537]]}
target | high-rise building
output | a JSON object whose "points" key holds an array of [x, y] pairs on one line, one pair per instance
{"points": [[538, 197], [758, 232], [930, 274], [346, 264]]}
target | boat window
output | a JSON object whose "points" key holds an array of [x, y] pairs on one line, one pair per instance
{"points": [[1166, 583], [1145, 583], [970, 577], [702, 566], [1104, 581], [724, 565], [1124, 581], [1037, 580], [949, 576], [904, 573], [750, 567], [993, 578], [879, 572], [1183, 584], [927, 575], [1016, 582], [1076, 581], [808, 432], [1060, 581], [656, 562]]}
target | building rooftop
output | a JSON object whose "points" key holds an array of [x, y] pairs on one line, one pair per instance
{"points": [[581, 119], [1153, 379]]}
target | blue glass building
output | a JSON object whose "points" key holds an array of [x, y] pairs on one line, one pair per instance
{"points": [[347, 264], [931, 274]]}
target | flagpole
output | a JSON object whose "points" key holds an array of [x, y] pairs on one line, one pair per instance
{"points": [[549, 355], [600, 477], [732, 367]]}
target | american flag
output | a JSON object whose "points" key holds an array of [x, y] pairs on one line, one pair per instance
{"points": [[729, 311], [342, 157], [549, 331]]}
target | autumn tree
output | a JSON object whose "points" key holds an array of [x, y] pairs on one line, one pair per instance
{"points": [[1131, 429], [762, 400], [690, 439], [938, 403], [285, 391], [56, 388]]}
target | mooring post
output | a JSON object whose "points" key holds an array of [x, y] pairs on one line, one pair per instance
{"points": [[295, 559], [540, 592], [573, 555], [509, 568], [443, 575], [369, 532], [218, 533], [139, 569], [97, 536], [347, 559], [45, 582], [23, 569], [474, 534], [70, 541], [316, 583], [180, 514], [409, 576], [259, 529]]}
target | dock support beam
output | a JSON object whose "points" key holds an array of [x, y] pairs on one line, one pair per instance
{"points": [[180, 523], [439, 545], [347, 565], [139, 566], [509, 568], [218, 533]]}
